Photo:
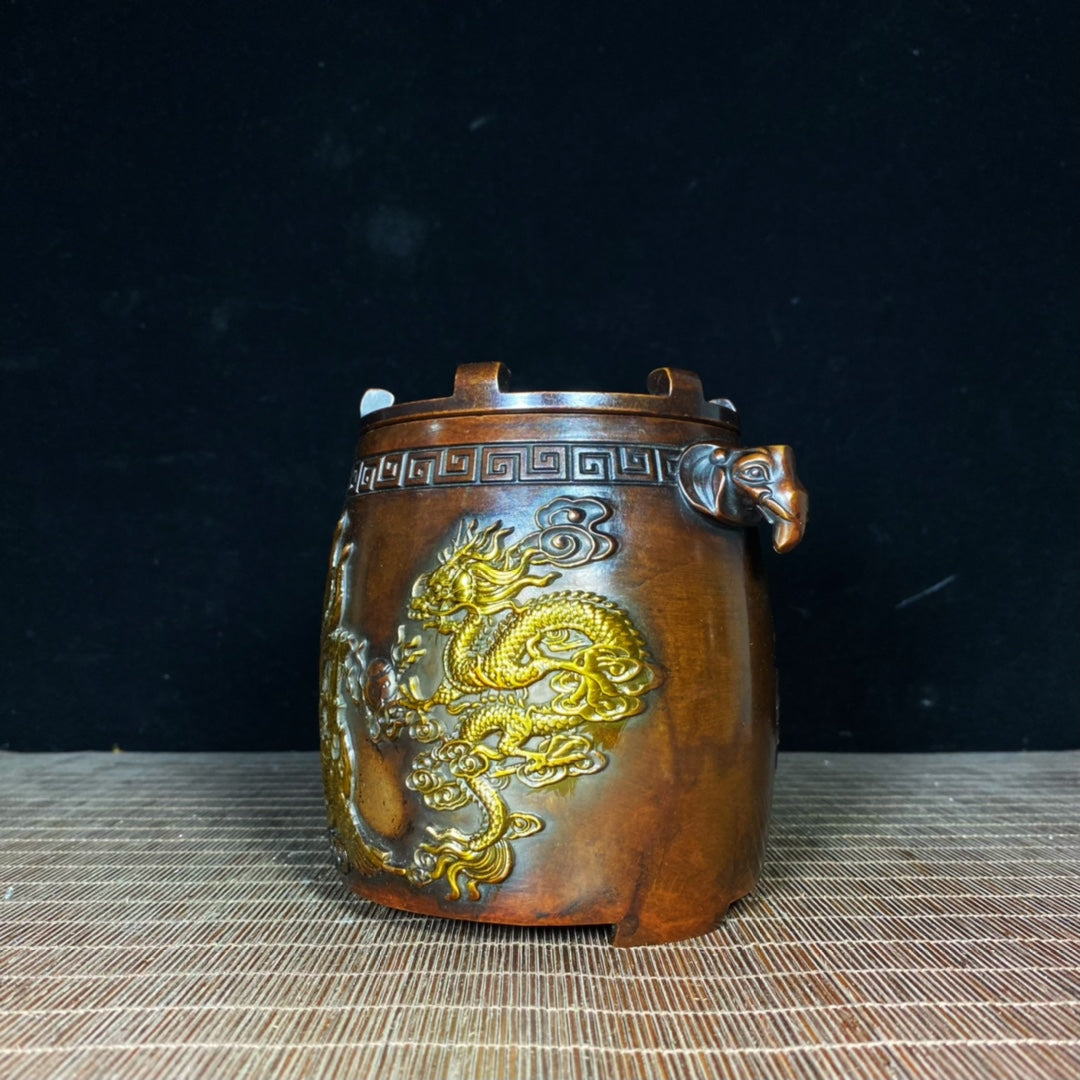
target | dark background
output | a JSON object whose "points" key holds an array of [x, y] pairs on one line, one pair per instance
{"points": [[221, 223]]}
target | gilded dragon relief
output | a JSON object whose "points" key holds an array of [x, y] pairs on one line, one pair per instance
{"points": [[519, 676]]}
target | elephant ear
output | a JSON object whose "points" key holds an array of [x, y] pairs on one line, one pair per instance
{"points": [[702, 476]]}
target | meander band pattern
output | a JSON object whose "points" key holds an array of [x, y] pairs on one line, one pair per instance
{"points": [[516, 463]]}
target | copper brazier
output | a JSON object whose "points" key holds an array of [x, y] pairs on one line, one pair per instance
{"points": [[548, 692]]}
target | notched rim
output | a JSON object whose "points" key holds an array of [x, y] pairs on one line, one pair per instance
{"points": [[484, 388]]}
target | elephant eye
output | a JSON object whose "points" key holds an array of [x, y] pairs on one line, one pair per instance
{"points": [[756, 474]]}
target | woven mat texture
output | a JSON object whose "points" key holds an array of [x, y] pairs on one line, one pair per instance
{"points": [[178, 915]]}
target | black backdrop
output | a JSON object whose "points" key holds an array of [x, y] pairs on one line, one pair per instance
{"points": [[223, 222]]}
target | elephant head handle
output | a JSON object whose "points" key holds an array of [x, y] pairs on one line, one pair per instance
{"points": [[745, 487]]}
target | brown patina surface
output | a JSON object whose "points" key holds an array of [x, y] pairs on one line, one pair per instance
{"points": [[548, 692]]}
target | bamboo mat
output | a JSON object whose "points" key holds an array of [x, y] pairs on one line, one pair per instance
{"points": [[177, 915]]}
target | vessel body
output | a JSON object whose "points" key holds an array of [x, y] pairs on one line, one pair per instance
{"points": [[547, 673]]}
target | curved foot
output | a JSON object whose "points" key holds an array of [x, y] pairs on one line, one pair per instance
{"points": [[655, 927]]}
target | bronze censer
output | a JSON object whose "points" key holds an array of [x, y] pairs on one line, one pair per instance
{"points": [[548, 694]]}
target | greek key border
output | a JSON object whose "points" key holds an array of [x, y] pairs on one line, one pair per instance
{"points": [[515, 463]]}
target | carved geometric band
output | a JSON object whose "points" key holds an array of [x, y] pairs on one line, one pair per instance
{"points": [[516, 463]]}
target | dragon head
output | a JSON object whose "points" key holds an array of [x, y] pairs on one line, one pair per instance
{"points": [[478, 574], [744, 487]]}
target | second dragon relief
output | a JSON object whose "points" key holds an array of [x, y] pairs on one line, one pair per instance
{"points": [[500, 681]]}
